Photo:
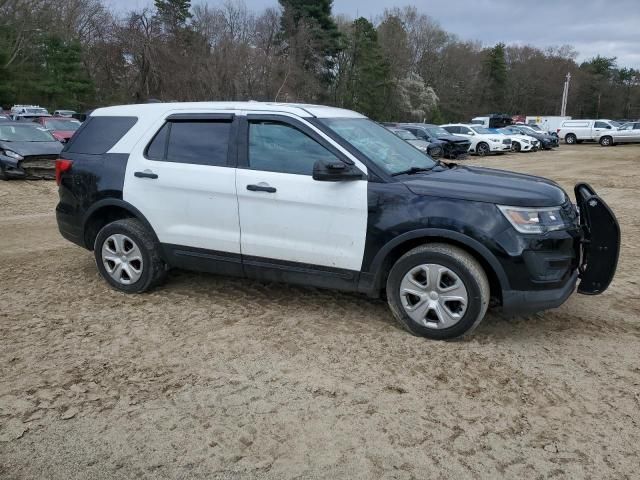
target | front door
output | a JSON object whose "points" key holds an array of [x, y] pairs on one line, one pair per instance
{"points": [[288, 220]]}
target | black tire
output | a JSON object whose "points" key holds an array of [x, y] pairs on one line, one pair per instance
{"points": [[153, 267], [606, 141], [482, 149], [468, 270], [516, 147], [570, 139], [3, 176]]}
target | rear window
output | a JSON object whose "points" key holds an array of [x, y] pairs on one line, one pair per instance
{"points": [[195, 142], [98, 134]]}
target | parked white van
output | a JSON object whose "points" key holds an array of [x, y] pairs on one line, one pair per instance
{"points": [[578, 131]]}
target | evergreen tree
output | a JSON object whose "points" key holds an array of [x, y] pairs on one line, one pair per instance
{"points": [[370, 74], [173, 13], [316, 14], [495, 67]]}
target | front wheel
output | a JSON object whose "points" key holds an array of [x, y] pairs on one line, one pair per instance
{"points": [[482, 149], [606, 141], [438, 291], [516, 147], [128, 256]]}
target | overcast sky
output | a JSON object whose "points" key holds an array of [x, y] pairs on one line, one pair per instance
{"points": [[608, 27]]}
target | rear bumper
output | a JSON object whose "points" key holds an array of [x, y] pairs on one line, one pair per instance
{"points": [[517, 301], [69, 227]]}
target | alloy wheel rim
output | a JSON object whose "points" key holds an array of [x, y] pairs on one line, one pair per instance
{"points": [[122, 259], [433, 296]]}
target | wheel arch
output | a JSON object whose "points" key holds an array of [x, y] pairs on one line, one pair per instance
{"points": [[389, 253], [106, 211]]}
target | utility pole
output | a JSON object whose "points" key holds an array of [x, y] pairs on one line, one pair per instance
{"points": [[565, 96]]}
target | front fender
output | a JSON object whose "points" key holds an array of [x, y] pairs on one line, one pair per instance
{"points": [[438, 234]]}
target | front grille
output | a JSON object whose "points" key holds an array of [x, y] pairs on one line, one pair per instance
{"points": [[43, 166], [507, 141]]}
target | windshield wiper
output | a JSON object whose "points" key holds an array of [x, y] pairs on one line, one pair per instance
{"points": [[411, 171]]}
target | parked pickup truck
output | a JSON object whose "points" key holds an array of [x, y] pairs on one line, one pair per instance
{"points": [[578, 131]]}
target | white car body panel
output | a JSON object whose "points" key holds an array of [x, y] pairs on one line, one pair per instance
{"points": [[476, 138]]}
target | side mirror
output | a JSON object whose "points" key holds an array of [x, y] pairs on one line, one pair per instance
{"points": [[335, 171]]}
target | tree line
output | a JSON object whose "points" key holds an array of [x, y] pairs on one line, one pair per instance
{"points": [[401, 66]]}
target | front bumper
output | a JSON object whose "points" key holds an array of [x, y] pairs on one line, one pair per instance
{"points": [[528, 301]]}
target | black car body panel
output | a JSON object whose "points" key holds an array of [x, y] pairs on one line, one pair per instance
{"points": [[489, 185]]}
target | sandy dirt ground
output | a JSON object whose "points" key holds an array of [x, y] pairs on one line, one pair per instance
{"points": [[211, 377]]}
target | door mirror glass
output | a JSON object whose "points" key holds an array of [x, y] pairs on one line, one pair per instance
{"points": [[332, 170]]}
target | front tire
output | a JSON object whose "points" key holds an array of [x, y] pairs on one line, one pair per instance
{"points": [[128, 256], [482, 149], [516, 147], [438, 291], [606, 141], [570, 139]]}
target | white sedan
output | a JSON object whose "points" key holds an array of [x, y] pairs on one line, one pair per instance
{"points": [[519, 141], [483, 140]]}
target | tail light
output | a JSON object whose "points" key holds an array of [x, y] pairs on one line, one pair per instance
{"points": [[557, 130], [61, 167]]}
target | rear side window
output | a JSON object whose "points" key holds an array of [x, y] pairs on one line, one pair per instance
{"points": [[602, 125], [195, 142], [575, 124], [99, 134]]}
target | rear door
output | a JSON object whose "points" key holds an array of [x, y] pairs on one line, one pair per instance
{"points": [[181, 176], [599, 129], [289, 220]]}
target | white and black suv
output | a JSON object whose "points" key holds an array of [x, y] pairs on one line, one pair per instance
{"points": [[324, 197]]}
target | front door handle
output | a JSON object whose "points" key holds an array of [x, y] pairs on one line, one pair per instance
{"points": [[146, 174], [261, 188]]}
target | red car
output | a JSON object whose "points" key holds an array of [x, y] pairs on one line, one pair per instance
{"points": [[62, 128]]}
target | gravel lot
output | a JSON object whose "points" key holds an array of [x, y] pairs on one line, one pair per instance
{"points": [[210, 377]]}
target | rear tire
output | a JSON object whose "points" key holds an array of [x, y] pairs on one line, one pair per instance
{"points": [[570, 139], [461, 291], [128, 256], [516, 147], [606, 141]]}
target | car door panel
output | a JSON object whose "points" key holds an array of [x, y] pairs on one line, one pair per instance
{"points": [[187, 204], [303, 221]]}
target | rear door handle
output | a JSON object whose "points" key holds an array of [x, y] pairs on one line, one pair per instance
{"points": [[261, 188], [146, 174]]}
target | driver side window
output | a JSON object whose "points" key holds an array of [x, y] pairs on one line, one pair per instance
{"points": [[279, 147]]}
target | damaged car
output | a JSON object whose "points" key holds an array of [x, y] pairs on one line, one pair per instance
{"points": [[27, 151]]}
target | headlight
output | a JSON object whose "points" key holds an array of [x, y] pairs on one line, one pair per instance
{"points": [[497, 140], [14, 155], [534, 220], [524, 140]]}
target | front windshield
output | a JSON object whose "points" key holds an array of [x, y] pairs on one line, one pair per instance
{"points": [[481, 130], [381, 146], [528, 130], [56, 124], [24, 133], [535, 127], [507, 131], [435, 131]]}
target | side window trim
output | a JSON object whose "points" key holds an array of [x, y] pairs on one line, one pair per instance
{"points": [[243, 137], [232, 148]]}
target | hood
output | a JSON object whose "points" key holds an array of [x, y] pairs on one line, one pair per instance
{"points": [[33, 148], [453, 138], [488, 185]]}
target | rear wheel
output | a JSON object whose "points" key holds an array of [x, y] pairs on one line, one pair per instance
{"points": [[570, 139], [606, 141], [438, 291], [482, 149], [516, 147], [128, 256]]}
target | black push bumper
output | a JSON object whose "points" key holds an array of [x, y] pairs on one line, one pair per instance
{"points": [[600, 246]]}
